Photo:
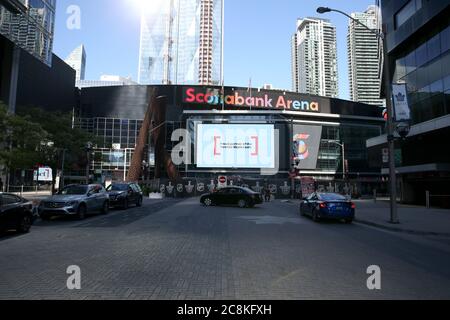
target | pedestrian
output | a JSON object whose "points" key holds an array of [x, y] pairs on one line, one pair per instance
{"points": [[268, 195], [1, 185]]}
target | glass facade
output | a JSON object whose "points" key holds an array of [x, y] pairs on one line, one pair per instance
{"points": [[117, 138], [123, 133], [112, 131], [425, 68], [171, 36], [33, 31], [407, 12], [353, 135]]}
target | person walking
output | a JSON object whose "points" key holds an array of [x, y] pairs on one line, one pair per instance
{"points": [[268, 195], [1, 185]]}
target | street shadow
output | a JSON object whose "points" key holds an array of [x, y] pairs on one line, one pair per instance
{"points": [[330, 222], [12, 234], [58, 221], [120, 217]]}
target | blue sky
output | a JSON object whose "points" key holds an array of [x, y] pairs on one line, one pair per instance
{"points": [[257, 37]]}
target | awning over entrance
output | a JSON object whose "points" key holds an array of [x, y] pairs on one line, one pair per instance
{"points": [[431, 167]]}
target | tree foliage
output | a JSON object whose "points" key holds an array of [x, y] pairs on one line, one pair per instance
{"points": [[35, 136], [23, 141]]}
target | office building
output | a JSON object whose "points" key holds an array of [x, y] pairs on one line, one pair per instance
{"points": [[365, 57], [418, 45], [314, 51], [294, 64], [181, 42], [28, 26], [77, 60]]}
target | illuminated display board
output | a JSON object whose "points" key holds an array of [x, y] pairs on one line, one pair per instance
{"points": [[235, 146]]}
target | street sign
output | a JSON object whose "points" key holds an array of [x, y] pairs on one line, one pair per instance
{"points": [[398, 158], [222, 181], [385, 155], [44, 175]]}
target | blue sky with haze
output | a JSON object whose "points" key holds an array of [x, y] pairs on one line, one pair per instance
{"points": [[257, 37]]}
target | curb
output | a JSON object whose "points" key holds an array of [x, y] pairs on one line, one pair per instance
{"points": [[400, 230]]}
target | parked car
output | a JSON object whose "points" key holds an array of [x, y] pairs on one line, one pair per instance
{"points": [[243, 197], [124, 194], [16, 213], [328, 206], [75, 200]]}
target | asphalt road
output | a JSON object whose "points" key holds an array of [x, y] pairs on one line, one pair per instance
{"points": [[181, 250]]}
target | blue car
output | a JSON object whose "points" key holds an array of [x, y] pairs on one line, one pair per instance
{"points": [[330, 206]]}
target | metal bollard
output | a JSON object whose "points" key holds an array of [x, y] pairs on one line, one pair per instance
{"points": [[375, 195], [427, 195]]}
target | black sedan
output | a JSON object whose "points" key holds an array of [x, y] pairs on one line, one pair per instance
{"points": [[16, 213], [242, 197], [328, 206], [125, 194]]}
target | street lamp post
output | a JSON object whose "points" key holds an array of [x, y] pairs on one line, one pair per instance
{"points": [[61, 176], [390, 122], [88, 148], [342, 145]]}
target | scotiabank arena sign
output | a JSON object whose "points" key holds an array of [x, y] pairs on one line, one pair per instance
{"points": [[247, 99]]}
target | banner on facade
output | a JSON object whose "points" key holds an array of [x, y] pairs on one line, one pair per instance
{"points": [[402, 112], [306, 146]]}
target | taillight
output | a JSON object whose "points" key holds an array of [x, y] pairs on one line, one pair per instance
{"points": [[353, 205], [322, 205]]}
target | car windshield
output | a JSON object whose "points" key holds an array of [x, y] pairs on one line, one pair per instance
{"points": [[118, 187], [331, 197], [248, 190], [74, 190]]}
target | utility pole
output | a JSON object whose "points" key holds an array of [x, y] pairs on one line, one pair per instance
{"points": [[61, 178], [390, 109]]}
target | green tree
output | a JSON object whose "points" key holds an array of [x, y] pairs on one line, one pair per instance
{"points": [[34, 136], [23, 141], [63, 136]]}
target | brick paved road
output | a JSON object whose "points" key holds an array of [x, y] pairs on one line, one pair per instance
{"points": [[180, 250]]}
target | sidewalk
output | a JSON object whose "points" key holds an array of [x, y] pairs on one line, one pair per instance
{"points": [[33, 195], [413, 219]]}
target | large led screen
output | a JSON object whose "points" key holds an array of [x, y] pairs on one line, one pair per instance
{"points": [[235, 146]]}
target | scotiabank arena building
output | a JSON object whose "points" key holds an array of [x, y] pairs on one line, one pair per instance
{"points": [[248, 137]]}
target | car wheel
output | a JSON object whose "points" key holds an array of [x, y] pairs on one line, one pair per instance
{"points": [[315, 216], [24, 224], [125, 204], [139, 202], [302, 213], [45, 217], [242, 203], [208, 202], [81, 213], [105, 208]]}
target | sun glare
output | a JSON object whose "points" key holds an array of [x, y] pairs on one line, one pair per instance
{"points": [[147, 5]]}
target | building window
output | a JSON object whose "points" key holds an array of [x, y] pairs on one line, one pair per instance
{"points": [[407, 11], [445, 42], [422, 55], [434, 47]]}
